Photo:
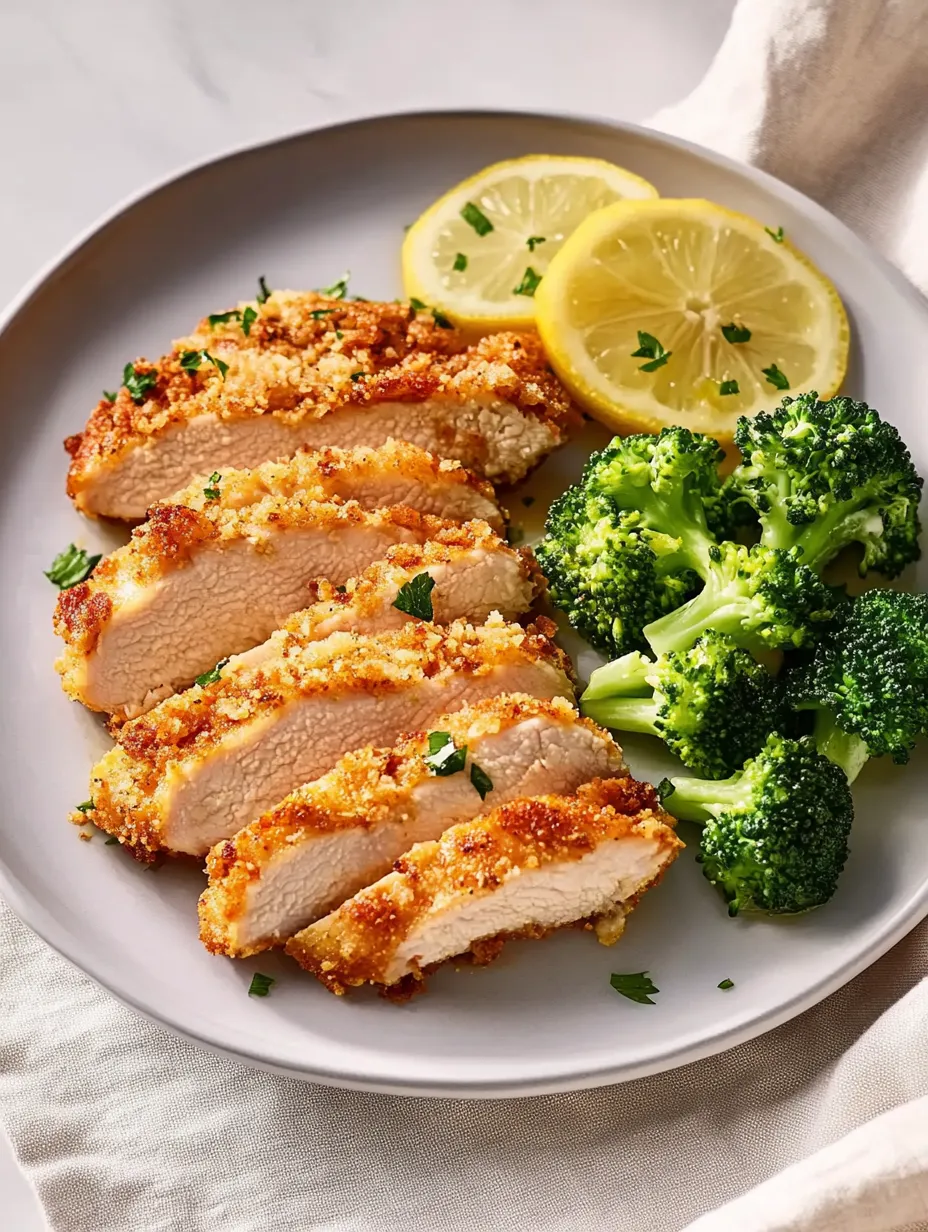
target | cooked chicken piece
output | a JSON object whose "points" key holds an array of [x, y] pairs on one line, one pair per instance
{"points": [[203, 764], [531, 865], [310, 372], [331, 837]]}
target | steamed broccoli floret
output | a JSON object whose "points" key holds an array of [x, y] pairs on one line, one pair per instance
{"points": [[713, 705], [868, 681], [609, 574], [775, 835], [761, 597], [822, 475]]}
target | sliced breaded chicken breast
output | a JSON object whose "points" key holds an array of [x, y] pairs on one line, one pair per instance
{"points": [[312, 371], [525, 868], [331, 837], [205, 763]]}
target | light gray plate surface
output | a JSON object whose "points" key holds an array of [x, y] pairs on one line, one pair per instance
{"points": [[544, 1017]]}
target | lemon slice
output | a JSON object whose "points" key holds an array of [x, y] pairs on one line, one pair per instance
{"points": [[478, 252], [683, 312]]}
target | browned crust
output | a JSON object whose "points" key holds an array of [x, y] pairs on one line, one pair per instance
{"points": [[358, 792], [355, 944], [403, 355]]}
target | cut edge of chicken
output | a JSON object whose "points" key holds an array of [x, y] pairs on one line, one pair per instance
{"points": [[535, 865], [375, 803]]}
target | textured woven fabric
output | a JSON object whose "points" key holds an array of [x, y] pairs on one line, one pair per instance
{"points": [[124, 1128]]}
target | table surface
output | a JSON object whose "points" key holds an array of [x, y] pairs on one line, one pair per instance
{"points": [[110, 97]]}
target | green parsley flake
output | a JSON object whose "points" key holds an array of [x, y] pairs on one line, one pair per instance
{"points": [[529, 283], [87, 807], [736, 333], [318, 313], [339, 335], [212, 492], [212, 675], [415, 597], [650, 348], [260, 985], [726, 984], [443, 758], [533, 241], [528, 501], [775, 377], [110, 397], [190, 361], [338, 289], [441, 320], [71, 566], [481, 781], [475, 217], [223, 318], [417, 304], [729, 387], [637, 987], [264, 291], [356, 376], [460, 263], [138, 383], [249, 316], [777, 236]]}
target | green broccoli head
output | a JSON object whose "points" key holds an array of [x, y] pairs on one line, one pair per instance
{"points": [[670, 480], [868, 680], [763, 598], [822, 475], [609, 574], [775, 835], [713, 705]]}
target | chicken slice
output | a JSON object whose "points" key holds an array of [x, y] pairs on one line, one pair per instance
{"points": [[205, 763], [331, 837], [311, 372], [527, 867]]}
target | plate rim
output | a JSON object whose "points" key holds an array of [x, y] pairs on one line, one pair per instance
{"points": [[31, 912]]}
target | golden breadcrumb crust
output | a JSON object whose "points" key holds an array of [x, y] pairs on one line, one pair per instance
{"points": [[294, 365], [356, 943], [364, 789], [184, 729]]}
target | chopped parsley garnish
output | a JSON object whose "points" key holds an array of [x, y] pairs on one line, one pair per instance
{"points": [[212, 675], [110, 397], [87, 807], [528, 501], [441, 320], [339, 335], [776, 378], [729, 387], [443, 758], [318, 313], [637, 987], [212, 492], [650, 348], [460, 262], [417, 304], [777, 236], [111, 842], [736, 333], [356, 376], [415, 597], [529, 283], [726, 984], [71, 566], [138, 383], [190, 362], [338, 289], [249, 316], [223, 318], [533, 241], [475, 217], [515, 534], [260, 985], [264, 291], [481, 780]]}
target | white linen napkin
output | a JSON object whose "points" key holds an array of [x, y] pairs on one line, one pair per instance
{"points": [[124, 1128]]}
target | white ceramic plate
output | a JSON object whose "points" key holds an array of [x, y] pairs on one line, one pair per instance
{"points": [[544, 1017]]}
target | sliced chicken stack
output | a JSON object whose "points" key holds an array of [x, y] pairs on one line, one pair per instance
{"points": [[331, 837], [217, 570], [299, 369], [525, 868], [203, 764]]}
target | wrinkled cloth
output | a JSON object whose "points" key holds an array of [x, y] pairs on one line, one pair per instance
{"points": [[124, 1128]]}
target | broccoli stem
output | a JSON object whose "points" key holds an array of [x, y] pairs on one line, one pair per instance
{"points": [[630, 714], [825, 538], [700, 799], [845, 750], [721, 609], [623, 677]]}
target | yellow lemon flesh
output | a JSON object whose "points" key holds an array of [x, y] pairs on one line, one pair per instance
{"points": [[480, 250], [725, 315]]}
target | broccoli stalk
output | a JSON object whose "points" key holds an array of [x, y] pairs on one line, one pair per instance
{"points": [[713, 705], [774, 836]]}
